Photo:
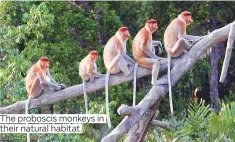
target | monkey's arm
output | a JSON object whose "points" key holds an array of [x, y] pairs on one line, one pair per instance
{"points": [[182, 34], [128, 59], [157, 43], [51, 78], [190, 37], [121, 51], [63, 86], [147, 51], [96, 72], [47, 85]]}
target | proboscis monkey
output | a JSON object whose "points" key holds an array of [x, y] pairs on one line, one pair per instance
{"points": [[176, 41], [88, 71], [144, 52], [38, 80], [116, 60]]}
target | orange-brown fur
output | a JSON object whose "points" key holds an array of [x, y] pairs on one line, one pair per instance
{"points": [[144, 36]]}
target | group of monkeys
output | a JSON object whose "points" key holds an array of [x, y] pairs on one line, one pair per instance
{"points": [[116, 60]]}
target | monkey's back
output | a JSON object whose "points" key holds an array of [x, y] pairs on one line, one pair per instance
{"points": [[110, 51], [31, 75], [137, 52], [83, 70], [171, 34]]}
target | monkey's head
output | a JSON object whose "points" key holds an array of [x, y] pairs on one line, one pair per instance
{"points": [[152, 24], [124, 32], [94, 55], [44, 62], [187, 16]]}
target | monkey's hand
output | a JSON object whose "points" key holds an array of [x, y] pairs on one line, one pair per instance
{"points": [[92, 77], [158, 44], [62, 86], [92, 80], [98, 74]]}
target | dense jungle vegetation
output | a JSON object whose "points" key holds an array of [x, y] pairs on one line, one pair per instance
{"points": [[67, 31]]}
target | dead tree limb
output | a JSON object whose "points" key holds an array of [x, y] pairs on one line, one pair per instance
{"points": [[181, 66], [228, 53], [151, 100], [160, 124], [76, 91]]}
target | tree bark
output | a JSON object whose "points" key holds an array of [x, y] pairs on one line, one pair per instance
{"points": [[99, 25], [213, 75], [77, 90]]}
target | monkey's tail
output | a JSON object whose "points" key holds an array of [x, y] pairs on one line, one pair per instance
{"points": [[107, 98], [134, 86], [27, 105], [85, 95], [169, 83], [26, 112]]}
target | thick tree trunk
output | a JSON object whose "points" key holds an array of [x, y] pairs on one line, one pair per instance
{"points": [[213, 76], [143, 110], [183, 64], [99, 25]]}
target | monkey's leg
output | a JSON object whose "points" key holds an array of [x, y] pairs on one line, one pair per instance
{"points": [[40, 107], [180, 46], [34, 91], [50, 106], [155, 72], [50, 91], [124, 67], [122, 64], [50, 86], [153, 64], [113, 63]]}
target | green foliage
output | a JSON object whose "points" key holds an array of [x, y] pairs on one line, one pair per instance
{"points": [[222, 125], [66, 33], [200, 124]]}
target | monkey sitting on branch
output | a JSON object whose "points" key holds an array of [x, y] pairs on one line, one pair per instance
{"points": [[37, 81], [88, 71], [116, 60], [144, 52], [177, 42]]}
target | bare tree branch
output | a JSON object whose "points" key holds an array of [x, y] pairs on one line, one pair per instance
{"points": [[151, 100], [228, 53], [76, 90], [181, 66], [160, 124]]}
